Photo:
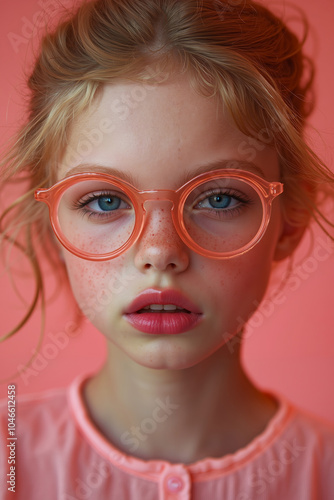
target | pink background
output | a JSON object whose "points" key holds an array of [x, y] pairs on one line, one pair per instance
{"points": [[289, 347]]}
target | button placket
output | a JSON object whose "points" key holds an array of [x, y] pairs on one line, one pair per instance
{"points": [[175, 483]]}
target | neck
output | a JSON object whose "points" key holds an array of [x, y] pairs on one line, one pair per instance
{"points": [[210, 409]]}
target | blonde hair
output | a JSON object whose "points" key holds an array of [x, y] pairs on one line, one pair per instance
{"points": [[238, 51]]}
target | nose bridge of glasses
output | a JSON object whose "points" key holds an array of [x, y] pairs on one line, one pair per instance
{"points": [[158, 196]]}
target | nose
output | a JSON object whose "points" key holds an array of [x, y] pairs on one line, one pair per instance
{"points": [[159, 246]]}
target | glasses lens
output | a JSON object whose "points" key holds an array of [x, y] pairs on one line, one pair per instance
{"points": [[96, 217], [223, 214]]}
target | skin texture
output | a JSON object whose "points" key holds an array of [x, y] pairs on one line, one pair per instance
{"points": [[170, 132]]}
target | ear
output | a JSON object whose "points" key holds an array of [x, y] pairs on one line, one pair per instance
{"points": [[289, 239]]}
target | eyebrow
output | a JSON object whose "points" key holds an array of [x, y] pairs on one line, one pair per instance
{"points": [[134, 181], [102, 169], [224, 164]]}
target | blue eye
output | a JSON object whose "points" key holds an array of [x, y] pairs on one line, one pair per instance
{"points": [[220, 201], [105, 203], [96, 205]]}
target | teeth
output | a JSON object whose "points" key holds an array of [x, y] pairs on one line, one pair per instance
{"points": [[163, 307], [156, 307], [169, 307]]}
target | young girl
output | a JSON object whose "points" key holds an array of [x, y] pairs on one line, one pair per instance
{"points": [[165, 142]]}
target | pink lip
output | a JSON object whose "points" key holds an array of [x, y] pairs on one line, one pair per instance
{"points": [[162, 323]]}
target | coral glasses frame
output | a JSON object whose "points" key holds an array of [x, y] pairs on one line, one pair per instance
{"points": [[266, 190]]}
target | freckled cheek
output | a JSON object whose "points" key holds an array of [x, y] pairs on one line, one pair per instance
{"points": [[222, 282], [90, 280], [96, 239], [234, 285]]}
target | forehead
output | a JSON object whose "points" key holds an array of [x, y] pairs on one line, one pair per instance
{"points": [[155, 133]]}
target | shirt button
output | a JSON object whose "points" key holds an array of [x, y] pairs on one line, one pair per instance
{"points": [[174, 484]]}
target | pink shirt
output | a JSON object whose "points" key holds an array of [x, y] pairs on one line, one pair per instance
{"points": [[60, 455]]}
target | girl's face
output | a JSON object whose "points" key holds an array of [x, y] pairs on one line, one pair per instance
{"points": [[157, 134]]}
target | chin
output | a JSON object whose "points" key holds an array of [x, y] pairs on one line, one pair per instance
{"points": [[172, 358]]}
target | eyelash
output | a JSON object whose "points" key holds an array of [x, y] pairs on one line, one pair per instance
{"points": [[81, 204], [245, 200]]}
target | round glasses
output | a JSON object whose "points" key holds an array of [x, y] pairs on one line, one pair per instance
{"points": [[218, 214]]}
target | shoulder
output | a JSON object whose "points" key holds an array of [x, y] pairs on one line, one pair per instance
{"points": [[304, 430], [38, 416], [293, 458], [43, 440], [314, 430], [306, 448], [29, 402]]}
